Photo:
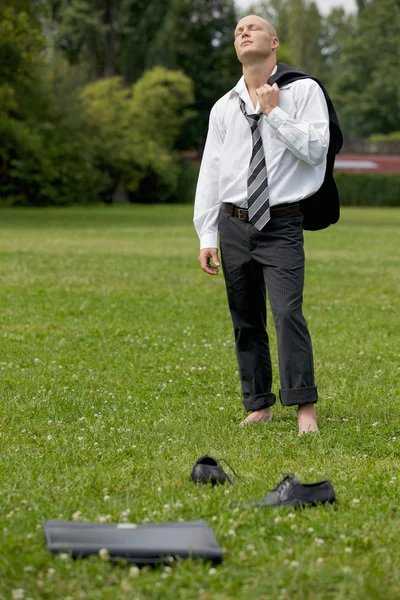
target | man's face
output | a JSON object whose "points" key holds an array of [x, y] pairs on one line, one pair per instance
{"points": [[253, 38]]}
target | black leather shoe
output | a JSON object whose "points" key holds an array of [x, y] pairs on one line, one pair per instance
{"points": [[208, 470], [291, 492]]}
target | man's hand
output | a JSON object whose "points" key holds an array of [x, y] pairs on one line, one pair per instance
{"points": [[268, 97], [205, 256]]}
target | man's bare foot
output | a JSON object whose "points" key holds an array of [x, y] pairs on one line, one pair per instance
{"points": [[258, 416], [307, 419]]}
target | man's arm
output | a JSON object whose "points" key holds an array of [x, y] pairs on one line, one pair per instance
{"points": [[307, 135], [207, 203]]}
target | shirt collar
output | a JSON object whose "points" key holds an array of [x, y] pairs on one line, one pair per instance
{"points": [[240, 86]]}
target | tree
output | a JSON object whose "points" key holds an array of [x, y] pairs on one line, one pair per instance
{"points": [[197, 37], [304, 36], [367, 88], [134, 129], [112, 37]]}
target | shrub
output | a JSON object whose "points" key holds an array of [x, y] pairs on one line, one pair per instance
{"points": [[365, 189], [385, 137]]}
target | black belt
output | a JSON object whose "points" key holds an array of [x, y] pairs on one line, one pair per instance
{"points": [[276, 211]]}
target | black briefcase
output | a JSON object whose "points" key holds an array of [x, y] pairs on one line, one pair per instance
{"points": [[139, 544]]}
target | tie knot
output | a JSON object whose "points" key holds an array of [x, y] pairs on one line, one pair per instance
{"points": [[253, 117]]}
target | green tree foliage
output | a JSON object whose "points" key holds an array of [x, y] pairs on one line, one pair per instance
{"points": [[112, 37], [366, 85], [197, 37], [304, 36], [134, 129]]}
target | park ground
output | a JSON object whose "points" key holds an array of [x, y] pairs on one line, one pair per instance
{"points": [[118, 371]]}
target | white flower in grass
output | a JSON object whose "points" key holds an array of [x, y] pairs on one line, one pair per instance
{"points": [[232, 533], [227, 492], [346, 570], [277, 519], [356, 501], [49, 437], [77, 516], [279, 538], [106, 498], [294, 563], [310, 529], [319, 541], [291, 516], [319, 560], [221, 408], [134, 572], [64, 556], [212, 571], [348, 550], [214, 518], [50, 572], [104, 554], [18, 594]]}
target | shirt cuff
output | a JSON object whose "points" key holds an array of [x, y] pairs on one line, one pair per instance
{"points": [[277, 117], [209, 240]]}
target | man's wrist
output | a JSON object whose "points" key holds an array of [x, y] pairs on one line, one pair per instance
{"points": [[269, 110]]}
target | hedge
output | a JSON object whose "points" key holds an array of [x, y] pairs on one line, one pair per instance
{"points": [[355, 189], [365, 189]]}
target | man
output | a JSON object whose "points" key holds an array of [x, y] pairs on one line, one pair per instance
{"points": [[266, 150]]}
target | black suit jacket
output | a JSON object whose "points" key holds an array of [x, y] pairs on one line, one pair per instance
{"points": [[322, 208]]}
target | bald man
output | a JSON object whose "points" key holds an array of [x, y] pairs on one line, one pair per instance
{"points": [[266, 150]]}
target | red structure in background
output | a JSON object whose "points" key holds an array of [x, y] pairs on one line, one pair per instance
{"points": [[368, 163]]}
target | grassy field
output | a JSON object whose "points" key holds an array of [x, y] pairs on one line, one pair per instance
{"points": [[118, 371]]}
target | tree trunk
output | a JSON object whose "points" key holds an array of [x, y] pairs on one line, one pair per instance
{"points": [[109, 52]]}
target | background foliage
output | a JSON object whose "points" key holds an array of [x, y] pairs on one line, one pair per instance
{"points": [[97, 98]]}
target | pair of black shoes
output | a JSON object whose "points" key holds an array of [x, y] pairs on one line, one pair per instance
{"points": [[289, 492]]}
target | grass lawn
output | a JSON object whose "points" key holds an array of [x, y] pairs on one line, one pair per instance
{"points": [[118, 371]]}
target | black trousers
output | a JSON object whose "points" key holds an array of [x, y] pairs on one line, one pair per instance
{"points": [[255, 261]]}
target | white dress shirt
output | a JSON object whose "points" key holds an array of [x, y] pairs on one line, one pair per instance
{"points": [[295, 136]]}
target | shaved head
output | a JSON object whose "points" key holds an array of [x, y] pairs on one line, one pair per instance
{"points": [[256, 19]]}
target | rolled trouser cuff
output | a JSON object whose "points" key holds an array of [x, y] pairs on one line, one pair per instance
{"points": [[259, 401], [299, 396]]}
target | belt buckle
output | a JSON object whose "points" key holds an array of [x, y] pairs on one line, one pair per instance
{"points": [[243, 214]]}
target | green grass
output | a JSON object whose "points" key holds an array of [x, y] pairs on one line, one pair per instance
{"points": [[118, 371]]}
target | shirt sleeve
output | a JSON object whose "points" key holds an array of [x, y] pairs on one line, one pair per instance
{"points": [[306, 135], [207, 203]]}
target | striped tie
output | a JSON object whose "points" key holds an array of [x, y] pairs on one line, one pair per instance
{"points": [[257, 180]]}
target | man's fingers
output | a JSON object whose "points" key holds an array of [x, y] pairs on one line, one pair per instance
{"points": [[206, 255], [214, 256], [264, 88]]}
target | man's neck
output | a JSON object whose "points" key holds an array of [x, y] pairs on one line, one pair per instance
{"points": [[257, 74]]}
